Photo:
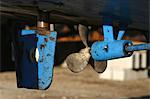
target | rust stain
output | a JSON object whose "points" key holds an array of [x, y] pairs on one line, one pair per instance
{"points": [[42, 31], [42, 46], [45, 39], [52, 39]]}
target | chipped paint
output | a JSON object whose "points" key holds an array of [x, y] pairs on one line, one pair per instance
{"points": [[51, 38], [36, 74], [46, 49]]}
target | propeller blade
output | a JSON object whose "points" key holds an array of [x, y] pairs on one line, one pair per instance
{"points": [[77, 62], [98, 66], [83, 34]]}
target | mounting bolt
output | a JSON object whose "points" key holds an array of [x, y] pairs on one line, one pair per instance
{"points": [[106, 48]]}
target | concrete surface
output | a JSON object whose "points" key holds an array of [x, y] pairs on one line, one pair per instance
{"points": [[85, 85]]}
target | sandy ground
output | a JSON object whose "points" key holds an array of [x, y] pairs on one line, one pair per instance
{"points": [[85, 85]]}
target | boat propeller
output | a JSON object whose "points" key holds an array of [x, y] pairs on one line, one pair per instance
{"points": [[77, 62]]}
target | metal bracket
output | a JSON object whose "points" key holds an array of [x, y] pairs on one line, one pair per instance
{"points": [[113, 49]]}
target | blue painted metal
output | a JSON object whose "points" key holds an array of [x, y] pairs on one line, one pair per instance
{"points": [[32, 74], [27, 32], [120, 35], [108, 33], [107, 50], [138, 47], [46, 46], [113, 49], [27, 69], [110, 48]]}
